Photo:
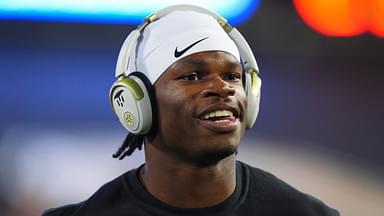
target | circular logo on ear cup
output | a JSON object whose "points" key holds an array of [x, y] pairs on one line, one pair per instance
{"points": [[129, 119]]}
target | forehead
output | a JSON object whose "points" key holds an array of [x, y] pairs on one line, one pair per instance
{"points": [[205, 59]]}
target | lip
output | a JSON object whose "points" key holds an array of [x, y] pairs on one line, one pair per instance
{"points": [[221, 126], [234, 109], [227, 124]]}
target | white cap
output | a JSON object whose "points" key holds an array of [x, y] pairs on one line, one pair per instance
{"points": [[177, 35]]}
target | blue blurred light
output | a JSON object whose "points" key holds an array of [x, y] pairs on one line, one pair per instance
{"points": [[114, 11]]}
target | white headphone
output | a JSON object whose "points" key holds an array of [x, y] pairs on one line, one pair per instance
{"points": [[131, 97]]}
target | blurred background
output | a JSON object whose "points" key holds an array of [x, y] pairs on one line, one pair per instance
{"points": [[320, 127]]}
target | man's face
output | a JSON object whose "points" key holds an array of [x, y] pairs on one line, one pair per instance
{"points": [[201, 108]]}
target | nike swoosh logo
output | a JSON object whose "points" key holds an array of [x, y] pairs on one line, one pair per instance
{"points": [[181, 52]]}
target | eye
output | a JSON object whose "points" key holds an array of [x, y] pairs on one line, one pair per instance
{"points": [[191, 77], [232, 76]]}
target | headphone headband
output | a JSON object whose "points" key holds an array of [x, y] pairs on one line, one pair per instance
{"points": [[135, 112]]}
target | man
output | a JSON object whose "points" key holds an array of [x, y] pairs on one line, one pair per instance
{"points": [[202, 94]]}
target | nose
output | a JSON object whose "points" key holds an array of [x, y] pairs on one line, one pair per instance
{"points": [[217, 87]]}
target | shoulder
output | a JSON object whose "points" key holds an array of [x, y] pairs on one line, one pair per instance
{"points": [[309, 204], [264, 182], [274, 193], [63, 210], [110, 193]]}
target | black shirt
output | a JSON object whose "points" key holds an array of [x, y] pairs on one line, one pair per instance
{"points": [[257, 193]]}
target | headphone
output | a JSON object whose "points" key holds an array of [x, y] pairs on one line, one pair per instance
{"points": [[131, 97]]}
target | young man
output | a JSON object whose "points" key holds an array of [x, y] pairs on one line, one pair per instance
{"points": [[202, 94]]}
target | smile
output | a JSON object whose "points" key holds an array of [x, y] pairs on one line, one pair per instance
{"points": [[220, 120], [218, 115]]}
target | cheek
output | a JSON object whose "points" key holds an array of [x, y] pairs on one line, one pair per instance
{"points": [[175, 121], [242, 97], [174, 108]]}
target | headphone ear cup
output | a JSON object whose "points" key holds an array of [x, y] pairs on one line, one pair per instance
{"points": [[253, 89], [131, 103]]}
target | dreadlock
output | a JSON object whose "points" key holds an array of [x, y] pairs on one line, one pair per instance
{"points": [[129, 145]]}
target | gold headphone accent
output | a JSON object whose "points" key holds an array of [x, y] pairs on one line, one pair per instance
{"points": [[225, 25], [255, 79], [129, 118], [132, 86]]}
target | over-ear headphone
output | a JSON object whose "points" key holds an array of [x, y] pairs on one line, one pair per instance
{"points": [[130, 95]]}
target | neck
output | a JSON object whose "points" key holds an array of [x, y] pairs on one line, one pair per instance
{"points": [[184, 185]]}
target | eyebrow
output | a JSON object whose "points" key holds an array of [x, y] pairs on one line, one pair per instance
{"points": [[193, 62]]}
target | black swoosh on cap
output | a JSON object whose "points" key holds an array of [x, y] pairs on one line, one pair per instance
{"points": [[181, 52]]}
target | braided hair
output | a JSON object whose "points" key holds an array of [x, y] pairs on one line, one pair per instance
{"points": [[130, 144]]}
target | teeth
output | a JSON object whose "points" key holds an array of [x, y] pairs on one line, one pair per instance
{"points": [[218, 113]]}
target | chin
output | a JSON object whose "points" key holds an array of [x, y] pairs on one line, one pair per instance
{"points": [[211, 157], [212, 151]]}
